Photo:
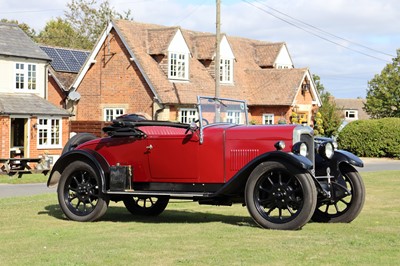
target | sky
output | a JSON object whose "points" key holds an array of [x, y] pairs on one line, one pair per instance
{"points": [[345, 42]]}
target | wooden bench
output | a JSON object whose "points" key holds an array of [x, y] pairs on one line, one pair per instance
{"points": [[20, 166]]}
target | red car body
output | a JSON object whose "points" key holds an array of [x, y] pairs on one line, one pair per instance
{"points": [[169, 155], [279, 172]]}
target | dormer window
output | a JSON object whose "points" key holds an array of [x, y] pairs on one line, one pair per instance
{"points": [[178, 66], [226, 62], [178, 58], [226, 68]]}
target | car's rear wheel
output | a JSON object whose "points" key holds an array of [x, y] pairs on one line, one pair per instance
{"points": [[79, 193], [146, 205], [347, 201], [280, 196]]}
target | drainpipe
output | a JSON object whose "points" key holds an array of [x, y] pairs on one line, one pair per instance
{"points": [[158, 111]]}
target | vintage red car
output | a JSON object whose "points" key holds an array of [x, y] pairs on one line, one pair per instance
{"points": [[281, 173]]}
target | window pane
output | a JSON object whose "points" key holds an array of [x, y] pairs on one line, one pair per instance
{"points": [[177, 66]]}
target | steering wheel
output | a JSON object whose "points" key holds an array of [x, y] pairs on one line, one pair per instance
{"points": [[205, 121]]}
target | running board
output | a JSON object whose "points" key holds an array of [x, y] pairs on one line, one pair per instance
{"points": [[173, 194]]}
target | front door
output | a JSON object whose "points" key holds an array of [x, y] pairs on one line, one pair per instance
{"points": [[173, 158], [19, 142]]}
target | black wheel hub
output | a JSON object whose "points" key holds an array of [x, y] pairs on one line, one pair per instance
{"points": [[84, 191], [282, 195]]}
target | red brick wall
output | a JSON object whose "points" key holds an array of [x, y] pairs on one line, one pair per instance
{"points": [[256, 113], [54, 94], [113, 81], [4, 137], [304, 98], [34, 152]]}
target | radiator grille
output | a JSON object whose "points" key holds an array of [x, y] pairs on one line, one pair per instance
{"points": [[309, 140]]}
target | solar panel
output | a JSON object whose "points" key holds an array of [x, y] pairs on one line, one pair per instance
{"points": [[65, 60]]}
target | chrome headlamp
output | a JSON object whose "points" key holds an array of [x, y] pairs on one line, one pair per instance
{"points": [[300, 148], [326, 150]]}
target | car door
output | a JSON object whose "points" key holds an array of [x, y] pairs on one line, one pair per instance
{"points": [[173, 154]]}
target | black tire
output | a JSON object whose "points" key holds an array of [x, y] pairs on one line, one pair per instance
{"points": [[146, 205], [77, 140], [280, 196], [79, 193], [344, 208]]}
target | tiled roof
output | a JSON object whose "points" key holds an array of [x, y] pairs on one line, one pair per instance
{"points": [[204, 46], [266, 53], [27, 103], [64, 79], [14, 42], [251, 82], [159, 39], [274, 86]]}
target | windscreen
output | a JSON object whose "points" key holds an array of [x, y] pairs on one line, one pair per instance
{"points": [[218, 110]]}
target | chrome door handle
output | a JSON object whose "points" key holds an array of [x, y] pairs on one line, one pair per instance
{"points": [[150, 147]]}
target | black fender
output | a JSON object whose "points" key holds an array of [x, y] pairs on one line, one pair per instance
{"points": [[98, 162], [339, 157], [238, 182]]}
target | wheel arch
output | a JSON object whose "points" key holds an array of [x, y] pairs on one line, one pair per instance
{"points": [[91, 157], [235, 186], [339, 160]]}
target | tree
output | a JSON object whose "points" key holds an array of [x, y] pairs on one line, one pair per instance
{"points": [[89, 21], [25, 27], [383, 93], [59, 32], [329, 113]]}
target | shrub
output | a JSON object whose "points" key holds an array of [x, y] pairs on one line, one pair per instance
{"points": [[372, 138]]}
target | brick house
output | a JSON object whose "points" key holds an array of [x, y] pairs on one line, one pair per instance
{"points": [[30, 125], [159, 71], [352, 109]]}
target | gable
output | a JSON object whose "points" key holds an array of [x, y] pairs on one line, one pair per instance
{"points": [[283, 59], [178, 44], [225, 49]]}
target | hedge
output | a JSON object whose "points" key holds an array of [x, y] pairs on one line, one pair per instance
{"points": [[372, 138]]}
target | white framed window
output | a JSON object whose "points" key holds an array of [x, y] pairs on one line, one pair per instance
{"points": [[187, 115], [268, 119], [226, 70], [25, 77], [233, 117], [111, 114], [351, 114], [178, 66], [49, 133]]}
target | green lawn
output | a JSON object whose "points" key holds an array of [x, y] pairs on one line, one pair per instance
{"points": [[25, 179], [34, 231]]}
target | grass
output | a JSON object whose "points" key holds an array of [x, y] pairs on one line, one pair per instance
{"points": [[34, 231], [25, 179]]}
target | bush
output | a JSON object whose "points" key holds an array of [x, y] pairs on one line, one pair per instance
{"points": [[372, 138]]}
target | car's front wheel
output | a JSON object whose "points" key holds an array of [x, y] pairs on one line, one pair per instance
{"points": [[79, 193], [146, 205], [280, 196], [347, 200]]}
